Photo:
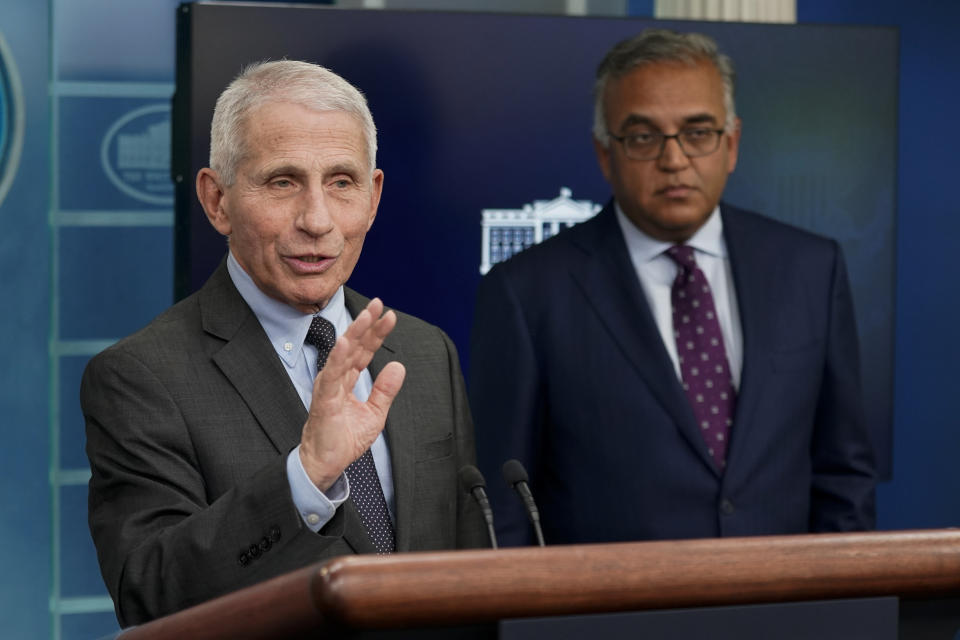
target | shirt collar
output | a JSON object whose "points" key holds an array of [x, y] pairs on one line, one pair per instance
{"points": [[708, 238], [286, 327]]}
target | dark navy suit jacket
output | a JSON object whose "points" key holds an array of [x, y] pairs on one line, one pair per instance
{"points": [[569, 374]]}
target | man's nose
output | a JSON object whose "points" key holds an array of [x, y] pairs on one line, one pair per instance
{"points": [[672, 156], [314, 217]]}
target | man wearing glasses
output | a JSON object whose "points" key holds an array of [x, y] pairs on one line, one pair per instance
{"points": [[675, 367]]}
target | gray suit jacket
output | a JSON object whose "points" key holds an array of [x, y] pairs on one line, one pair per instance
{"points": [[189, 423]]}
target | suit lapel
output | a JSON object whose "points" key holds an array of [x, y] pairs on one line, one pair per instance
{"points": [[248, 360], [400, 436], [754, 277], [607, 279]]}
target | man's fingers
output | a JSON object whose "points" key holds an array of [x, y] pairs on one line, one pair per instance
{"points": [[386, 387], [365, 319], [360, 324], [335, 373], [373, 338], [354, 350], [370, 339], [375, 307], [384, 324]]}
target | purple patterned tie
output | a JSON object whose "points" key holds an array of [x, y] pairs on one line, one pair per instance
{"points": [[365, 489], [703, 359]]}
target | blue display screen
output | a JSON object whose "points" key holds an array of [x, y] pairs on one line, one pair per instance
{"points": [[492, 112]]}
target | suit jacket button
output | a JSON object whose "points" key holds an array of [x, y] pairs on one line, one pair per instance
{"points": [[275, 534], [265, 544], [254, 551], [726, 507]]}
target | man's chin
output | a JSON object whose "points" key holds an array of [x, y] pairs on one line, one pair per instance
{"points": [[674, 224], [683, 219], [309, 300]]}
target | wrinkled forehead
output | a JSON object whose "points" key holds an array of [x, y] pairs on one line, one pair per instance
{"points": [[258, 119]]}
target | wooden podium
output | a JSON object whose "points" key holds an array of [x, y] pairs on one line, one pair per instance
{"points": [[453, 590]]}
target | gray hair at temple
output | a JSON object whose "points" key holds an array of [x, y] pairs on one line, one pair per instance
{"points": [[660, 45], [303, 83]]}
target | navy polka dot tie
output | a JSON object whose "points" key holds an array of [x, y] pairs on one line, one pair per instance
{"points": [[702, 356], [365, 489]]}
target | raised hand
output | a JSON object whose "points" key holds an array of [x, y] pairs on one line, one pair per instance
{"points": [[339, 428]]}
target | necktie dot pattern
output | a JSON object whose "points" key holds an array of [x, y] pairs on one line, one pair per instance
{"points": [[365, 489], [704, 368], [323, 335]]}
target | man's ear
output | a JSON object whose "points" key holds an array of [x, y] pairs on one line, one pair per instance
{"points": [[376, 189], [210, 192]]}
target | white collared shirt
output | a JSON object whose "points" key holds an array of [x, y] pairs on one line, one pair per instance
{"points": [[657, 271]]}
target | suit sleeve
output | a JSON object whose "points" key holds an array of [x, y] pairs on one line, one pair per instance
{"points": [[506, 399], [844, 464], [163, 542]]}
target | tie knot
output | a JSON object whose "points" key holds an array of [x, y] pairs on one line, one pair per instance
{"points": [[322, 335], [683, 256]]}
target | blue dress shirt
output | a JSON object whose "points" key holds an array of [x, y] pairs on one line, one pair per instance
{"points": [[286, 328]]}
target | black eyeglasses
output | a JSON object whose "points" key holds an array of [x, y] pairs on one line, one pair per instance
{"points": [[649, 145]]}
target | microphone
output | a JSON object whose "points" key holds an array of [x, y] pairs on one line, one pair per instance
{"points": [[516, 477], [472, 480]]}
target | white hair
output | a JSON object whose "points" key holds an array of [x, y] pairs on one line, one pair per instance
{"points": [[302, 83]]}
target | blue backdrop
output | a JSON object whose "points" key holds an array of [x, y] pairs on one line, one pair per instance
{"points": [[114, 261], [479, 111]]}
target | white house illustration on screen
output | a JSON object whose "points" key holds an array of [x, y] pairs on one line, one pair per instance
{"points": [[510, 231], [149, 149]]}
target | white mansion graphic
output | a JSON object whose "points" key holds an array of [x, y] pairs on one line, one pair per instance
{"points": [[149, 149], [510, 231]]}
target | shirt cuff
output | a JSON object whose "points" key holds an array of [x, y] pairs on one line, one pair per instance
{"points": [[316, 507]]}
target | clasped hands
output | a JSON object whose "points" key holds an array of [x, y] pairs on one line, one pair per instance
{"points": [[340, 428]]}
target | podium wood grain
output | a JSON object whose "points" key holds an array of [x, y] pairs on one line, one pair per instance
{"points": [[466, 587]]}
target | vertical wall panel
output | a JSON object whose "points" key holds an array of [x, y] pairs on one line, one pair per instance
{"points": [[111, 233], [24, 322]]}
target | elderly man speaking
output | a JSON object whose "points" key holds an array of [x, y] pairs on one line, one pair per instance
{"points": [[275, 418]]}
